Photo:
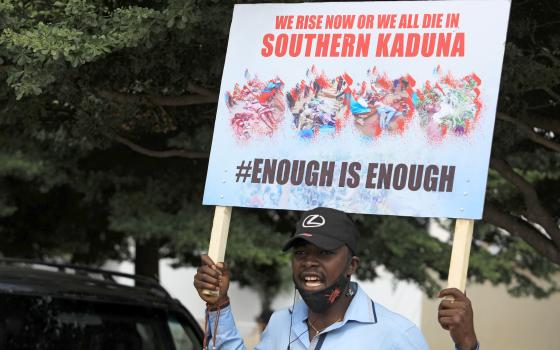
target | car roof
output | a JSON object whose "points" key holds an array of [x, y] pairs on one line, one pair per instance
{"points": [[24, 277]]}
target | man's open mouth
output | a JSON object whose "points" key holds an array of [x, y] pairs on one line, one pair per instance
{"points": [[312, 281]]}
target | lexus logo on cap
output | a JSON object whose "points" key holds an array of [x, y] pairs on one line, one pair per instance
{"points": [[313, 220]]}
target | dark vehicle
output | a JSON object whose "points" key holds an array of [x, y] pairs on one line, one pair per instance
{"points": [[46, 306]]}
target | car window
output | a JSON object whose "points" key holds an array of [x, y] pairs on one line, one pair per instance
{"points": [[183, 335], [45, 323]]}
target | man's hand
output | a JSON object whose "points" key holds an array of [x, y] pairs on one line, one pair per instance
{"points": [[213, 277], [455, 314]]}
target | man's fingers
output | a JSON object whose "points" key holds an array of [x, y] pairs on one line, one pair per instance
{"points": [[447, 322], [443, 325], [223, 268], [208, 270], [452, 312], [207, 279], [455, 315], [220, 267], [451, 317], [452, 304], [455, 293], [205, 260], [200, 285]]}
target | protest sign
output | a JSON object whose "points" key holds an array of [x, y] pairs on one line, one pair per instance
{"points": [[377, 107]]}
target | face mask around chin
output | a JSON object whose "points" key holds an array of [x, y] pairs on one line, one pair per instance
{"points": [[319, 301]]}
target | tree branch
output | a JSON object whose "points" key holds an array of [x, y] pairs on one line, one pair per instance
{"points": [[158, 154], [168, 101], [542, 106], [546, 53], [549, 91], [200, 90], [530, 132], [520, 3], [542, 122], [522, 229], [547, 24], [535, 211]]}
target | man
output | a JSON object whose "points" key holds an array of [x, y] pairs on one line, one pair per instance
{"points": [[335, 313]]}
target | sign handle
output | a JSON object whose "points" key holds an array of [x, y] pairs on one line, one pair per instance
{"points": [[460, 254], [218, 238]]}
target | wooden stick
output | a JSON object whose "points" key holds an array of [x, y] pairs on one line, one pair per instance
{"points": [[460, 254], [218, 237]]}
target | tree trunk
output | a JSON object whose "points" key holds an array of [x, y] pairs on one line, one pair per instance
{"points": [[146, 262]]}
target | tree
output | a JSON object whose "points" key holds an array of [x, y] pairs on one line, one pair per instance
{"points": [[106, 123], [527, 144]]}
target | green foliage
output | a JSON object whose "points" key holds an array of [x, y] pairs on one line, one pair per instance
{"points": [[405, 248], [6, 209], [17, 165], [49, 40], [501, 259]]}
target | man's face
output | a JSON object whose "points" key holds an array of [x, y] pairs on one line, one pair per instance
{"points": [[314, 268]]}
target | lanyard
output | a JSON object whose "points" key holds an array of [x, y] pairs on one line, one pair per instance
{"points": [[319, 343]]}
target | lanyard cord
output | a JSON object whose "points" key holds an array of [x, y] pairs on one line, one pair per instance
{"points": [[214, 333], [302, 333], [205, 340], [290, 341], [216, 329], [218, 310]]}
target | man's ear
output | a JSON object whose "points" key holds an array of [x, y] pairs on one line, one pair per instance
{"points": [[353, 266]]}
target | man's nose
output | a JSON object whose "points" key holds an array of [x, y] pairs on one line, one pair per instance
{"points": [[310, 260]]}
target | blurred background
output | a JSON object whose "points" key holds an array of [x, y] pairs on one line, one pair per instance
{"points": [[106, 116]]}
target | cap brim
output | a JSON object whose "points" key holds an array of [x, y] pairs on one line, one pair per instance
{"points": [[323, 242]]}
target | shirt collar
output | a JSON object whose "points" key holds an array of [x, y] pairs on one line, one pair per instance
{"points": [[361, 309]]}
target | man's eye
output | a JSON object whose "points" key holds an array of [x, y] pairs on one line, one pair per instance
{"points": [[327, 252], [298, 252]]}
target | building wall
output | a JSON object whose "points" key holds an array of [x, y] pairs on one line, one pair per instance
{"points": [[501, 321]]}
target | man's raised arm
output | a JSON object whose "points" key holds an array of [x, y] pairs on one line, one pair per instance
{"points": [[220, 330]]}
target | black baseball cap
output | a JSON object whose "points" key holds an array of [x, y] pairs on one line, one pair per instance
{"points": [[326, 228]]}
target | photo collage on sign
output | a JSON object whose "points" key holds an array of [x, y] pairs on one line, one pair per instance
{"points": [[375, 106]]}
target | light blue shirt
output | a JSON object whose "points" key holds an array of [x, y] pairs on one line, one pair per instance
{"points": [[366, 325]]}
